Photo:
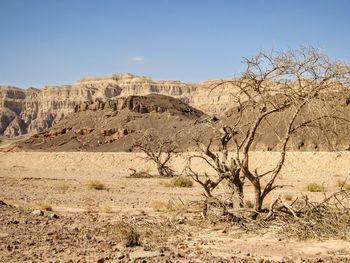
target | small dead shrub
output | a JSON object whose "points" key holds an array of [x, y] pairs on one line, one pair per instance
{"points": [[96, 185], [343, 184], [126, 234], [315, 187], [179, 181], [170, 205], [140, 174], [158, 205], [305, 219]]}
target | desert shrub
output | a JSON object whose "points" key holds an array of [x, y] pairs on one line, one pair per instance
{"points": [[126, 234], [96, 185], [140, 174], [179, 181], [342, 184], [159, 151], [158, 205], [170, 205], [315, 187]]}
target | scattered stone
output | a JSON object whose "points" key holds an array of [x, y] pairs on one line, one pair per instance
{"points": [[13, 221], [38, 213], [181, 220], [74, 228], [88, 236], [54, 216]]}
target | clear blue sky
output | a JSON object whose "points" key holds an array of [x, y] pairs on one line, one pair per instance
{"points": [[59, 41]]}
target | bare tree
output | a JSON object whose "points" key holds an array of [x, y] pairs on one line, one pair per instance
{"points": [[297, 90], [157, 150]]}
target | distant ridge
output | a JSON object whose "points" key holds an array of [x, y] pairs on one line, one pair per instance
{"points": [[33, 110]]}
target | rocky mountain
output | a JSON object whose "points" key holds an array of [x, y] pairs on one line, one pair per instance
{"points": [[32, 110]]}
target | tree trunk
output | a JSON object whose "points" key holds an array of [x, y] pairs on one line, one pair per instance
{"points": [[164, 171], [236, 187], [161, 171], [258, 198]]}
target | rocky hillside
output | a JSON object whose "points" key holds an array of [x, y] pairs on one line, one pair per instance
{"points": [[32, 110], [116, 124]]}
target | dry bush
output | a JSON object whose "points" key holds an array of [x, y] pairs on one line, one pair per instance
{"points": [[329, 218], [158, 205], [170, 205], [96, 185], [140, 174], [343, 185], [179, 181], [315, 187], [159, 151], [126, 234]]}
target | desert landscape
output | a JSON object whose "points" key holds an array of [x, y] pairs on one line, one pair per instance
{"points": [[141, 178], [79, 225], [174, 131]]}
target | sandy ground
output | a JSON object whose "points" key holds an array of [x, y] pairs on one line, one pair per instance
{"points": [[30, 179]]}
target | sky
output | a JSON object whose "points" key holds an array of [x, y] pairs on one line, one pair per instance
{"points": [[55, 42]]}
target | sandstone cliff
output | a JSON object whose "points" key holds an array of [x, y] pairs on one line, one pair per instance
{"points": [[34, 110]]}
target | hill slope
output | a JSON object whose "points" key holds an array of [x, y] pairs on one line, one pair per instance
{"points": [[113, 126]]}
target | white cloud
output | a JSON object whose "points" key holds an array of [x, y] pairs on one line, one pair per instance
{"points": [[136, 59]]}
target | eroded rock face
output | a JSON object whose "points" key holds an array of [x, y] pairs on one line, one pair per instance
{"points": [[34, 110]]}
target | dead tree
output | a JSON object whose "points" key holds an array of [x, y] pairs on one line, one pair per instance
{"points": [[157, 150], [299, 89], [226, 170]]}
